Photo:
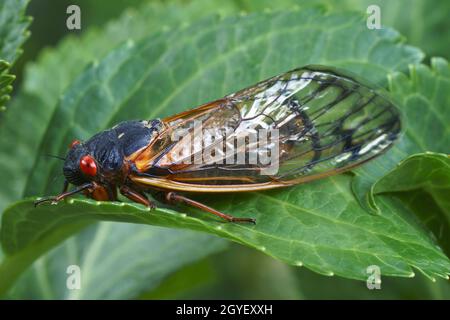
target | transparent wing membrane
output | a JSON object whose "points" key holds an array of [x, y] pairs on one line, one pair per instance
{"points": [[325, 122]]}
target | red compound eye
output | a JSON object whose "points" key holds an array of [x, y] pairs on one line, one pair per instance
{"points": [[88, 166], [74, 143]]}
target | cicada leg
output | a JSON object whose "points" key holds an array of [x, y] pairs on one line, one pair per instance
{"points": [[65, 186], [174, 197], [65, 194], [102, 193], [137, 196]]}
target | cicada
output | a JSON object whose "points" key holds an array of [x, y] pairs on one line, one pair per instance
{"points": [[303, 125]]}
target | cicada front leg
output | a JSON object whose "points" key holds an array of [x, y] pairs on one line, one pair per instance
{"points": [[65, 193]]}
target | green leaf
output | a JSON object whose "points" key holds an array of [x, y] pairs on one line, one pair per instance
{"points": [[402, 15], [281, 281], [13, 28], [181, 284], [13, 33], [115, 261], [5, 83], [288, 224], [429, 172], [424, 99], [243, 273], [319, 225], [34, 105], [423, 181], [319, 288]]}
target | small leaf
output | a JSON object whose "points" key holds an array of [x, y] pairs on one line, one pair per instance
{"points": [[5, 84], [423, 181], [427, 171], [424, 99], [13, 33]]}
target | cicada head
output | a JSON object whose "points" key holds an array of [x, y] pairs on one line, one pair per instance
{"points": [[77, 162], [102, 158], [99, 159]]}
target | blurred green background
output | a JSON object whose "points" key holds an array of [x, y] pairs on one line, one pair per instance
{"points": [[425, 24], [240, 272]]}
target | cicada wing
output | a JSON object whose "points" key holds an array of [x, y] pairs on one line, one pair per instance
{"points": [[309, 123]]}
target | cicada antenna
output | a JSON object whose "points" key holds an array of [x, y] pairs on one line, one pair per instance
{"points": [[54, 156]]}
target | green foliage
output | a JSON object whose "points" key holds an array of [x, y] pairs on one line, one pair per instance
{"points": [[424, 23], [5, 83], [132, 261], [37, 99], [429, 172], [266, 278], [424, 97], [423, 183], [13, 33], [162, 59], [13, 28]]}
